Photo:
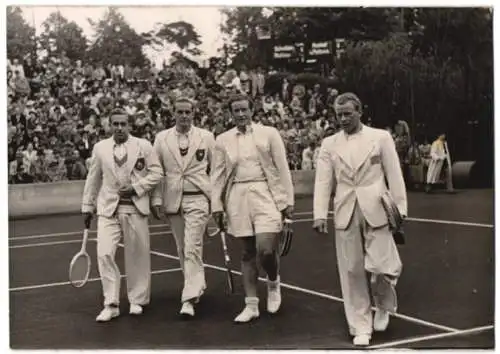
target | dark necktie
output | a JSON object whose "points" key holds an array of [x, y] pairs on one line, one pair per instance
{"points": [[120, 155], [183, 144]]}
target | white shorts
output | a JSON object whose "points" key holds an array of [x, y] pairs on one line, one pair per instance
{"points": [[251, 210]]}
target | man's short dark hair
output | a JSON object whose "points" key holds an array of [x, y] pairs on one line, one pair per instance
{"points": [[118, 112], [237, 98], [329, 131], [185, 99]]}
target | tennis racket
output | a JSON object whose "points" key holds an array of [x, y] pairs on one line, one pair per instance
{"points": [[394, 218], [227, 259], [286, 237], [79, 268]]}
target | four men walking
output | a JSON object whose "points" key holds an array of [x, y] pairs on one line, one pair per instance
{"points": [[243, 178]]}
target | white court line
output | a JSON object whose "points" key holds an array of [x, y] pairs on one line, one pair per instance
{"points": [[14, 238], [41, 244], [76, 233], [53, 243], [59, 234], [51, 285], [320, 294], [451, 222], [431, 221], [431, 337]]}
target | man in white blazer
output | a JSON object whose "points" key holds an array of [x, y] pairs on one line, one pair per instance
{"points": [[123, 169], [252, 184], [355, 163], [185, 152]]}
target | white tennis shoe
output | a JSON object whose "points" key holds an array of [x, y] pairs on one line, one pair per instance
{"points": [[273, 295], [135, 309], [187, 309], [362, 340], [108, 313], [250, 312], [380, 320]]}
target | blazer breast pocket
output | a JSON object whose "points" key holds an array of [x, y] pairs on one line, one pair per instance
{"points": [[376, 159]]}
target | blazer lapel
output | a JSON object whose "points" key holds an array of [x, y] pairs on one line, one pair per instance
{"points": [[232, 149], [173, 146], [111, 158], [360, 154], [195, 142], [363, 151], [255, 134], [231, 163], [343, 151]]}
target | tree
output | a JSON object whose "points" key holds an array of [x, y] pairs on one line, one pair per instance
{"points": [[300, 24], [115, 42], [20, 35], [240, 27], [60, 36], [320, 23], [464, 37], [180, 33]]}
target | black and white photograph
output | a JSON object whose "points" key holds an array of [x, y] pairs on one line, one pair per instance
{"points": [[243, 177]]}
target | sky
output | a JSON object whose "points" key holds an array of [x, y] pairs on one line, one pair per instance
{"points": [[206, 21]]}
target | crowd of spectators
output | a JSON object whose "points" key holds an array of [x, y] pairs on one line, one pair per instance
{"points": [[58, 110]]}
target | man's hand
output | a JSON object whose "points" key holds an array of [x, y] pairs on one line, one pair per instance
{"points": [[126, 192], [156, 211], [287, 213], [87, 219], [219, 219], [320, 226]]}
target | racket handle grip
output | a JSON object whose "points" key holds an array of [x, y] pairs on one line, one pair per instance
{"points": [[87, 220]]}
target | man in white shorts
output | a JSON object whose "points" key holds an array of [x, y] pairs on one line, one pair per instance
{"points": [[251, 182]]}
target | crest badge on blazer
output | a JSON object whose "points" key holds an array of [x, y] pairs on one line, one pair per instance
{"points": [[200, 154], [140, 164]]}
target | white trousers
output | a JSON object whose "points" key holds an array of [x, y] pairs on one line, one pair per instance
{"points": [[361, 250], [189, 227], [135, 231]]}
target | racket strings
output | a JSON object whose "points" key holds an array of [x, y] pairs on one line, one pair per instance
{"points": [[79, 271]]}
